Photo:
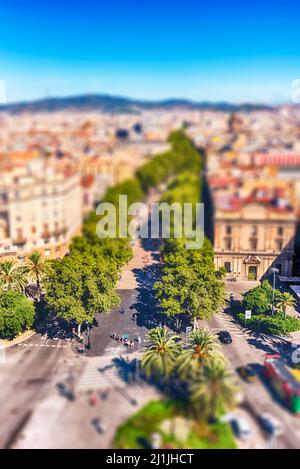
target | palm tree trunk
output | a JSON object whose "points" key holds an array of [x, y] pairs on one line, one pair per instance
{"points": [[38, 287]]}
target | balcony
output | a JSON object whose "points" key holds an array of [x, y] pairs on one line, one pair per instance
{"points": [[46, 234], [59, 231], [20, 241]]}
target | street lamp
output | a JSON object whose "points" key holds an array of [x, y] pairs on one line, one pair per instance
{"points": [[275, 271], [89, 345]]}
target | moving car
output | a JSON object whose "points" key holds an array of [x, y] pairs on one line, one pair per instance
{"points": [[270, 424], [225, 337], [241, 427], [247, 373]]}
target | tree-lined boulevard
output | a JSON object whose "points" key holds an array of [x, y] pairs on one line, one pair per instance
{"points": [[147, 312]]}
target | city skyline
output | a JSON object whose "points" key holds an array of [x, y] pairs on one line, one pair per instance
{"points": [[227, 51]]}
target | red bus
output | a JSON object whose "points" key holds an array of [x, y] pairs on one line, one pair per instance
{"points": [[283, 382]]}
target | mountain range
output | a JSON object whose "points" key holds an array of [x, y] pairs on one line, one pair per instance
{"points": [[118, 104]]}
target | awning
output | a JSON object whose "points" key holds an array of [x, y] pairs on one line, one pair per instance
{"points": [[289, 279], [296, 289]]}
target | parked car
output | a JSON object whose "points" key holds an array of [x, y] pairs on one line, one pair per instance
{"points": [[241, 427], [225, 337], [247, 373], [270, 424]]}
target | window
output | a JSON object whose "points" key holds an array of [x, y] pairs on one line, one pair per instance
{"points": [[278, 244], [254, 230], [253, 244], [280, 231], [228, 243], [227, 266], [228, 230], [3, 197]]}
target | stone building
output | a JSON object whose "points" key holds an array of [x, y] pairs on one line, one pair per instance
{"points": [[251, 237], [40, 210]]}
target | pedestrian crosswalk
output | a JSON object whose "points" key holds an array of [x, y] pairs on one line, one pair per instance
{"points": [[102, 373], [45, 342], [230, 325]]}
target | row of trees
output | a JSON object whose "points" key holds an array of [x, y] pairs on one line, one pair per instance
{"points": [[17, 312], [199, 369], [16, 277], [183, 156], [189, 281], [83, 283]]}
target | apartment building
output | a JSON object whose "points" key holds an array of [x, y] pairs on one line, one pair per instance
{"points": [[253, 235], [40, 209]]}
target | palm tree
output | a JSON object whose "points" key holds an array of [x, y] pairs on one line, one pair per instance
{"points": [[203, 347], [12, 277], [214, 390], [160, 353], [36, 269], [284, 301]]}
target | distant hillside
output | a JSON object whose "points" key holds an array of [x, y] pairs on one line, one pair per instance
{"points": [[107, 103]]}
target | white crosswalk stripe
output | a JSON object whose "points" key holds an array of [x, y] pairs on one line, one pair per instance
{"points": [[101, 373], [231, 326], [42, 343]]}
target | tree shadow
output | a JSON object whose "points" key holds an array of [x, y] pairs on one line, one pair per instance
{"points": [[46, 323], [259, 344], [148, 312], [128, 370]]}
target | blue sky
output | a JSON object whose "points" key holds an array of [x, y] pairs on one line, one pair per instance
{"points": [[229, 50]]}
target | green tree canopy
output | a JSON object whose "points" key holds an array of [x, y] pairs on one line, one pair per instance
{"points": [[161, 351], [190, 283], [214, 390], [17, 313], [80, 286], [12, 276], [285, 300], [258, 299]]}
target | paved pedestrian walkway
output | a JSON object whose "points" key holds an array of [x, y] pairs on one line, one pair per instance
{"points": [[107, 372]]}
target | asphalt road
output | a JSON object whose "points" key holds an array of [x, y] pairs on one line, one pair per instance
{"points": [[25, 379], [258, 396]]}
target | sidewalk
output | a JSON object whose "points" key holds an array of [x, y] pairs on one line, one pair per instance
{"points": [[20, 338]]}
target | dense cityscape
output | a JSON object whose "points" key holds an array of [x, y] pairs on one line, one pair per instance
{"points": [[149, 232], [142, 343]]}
